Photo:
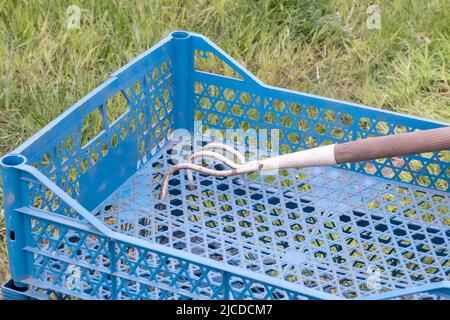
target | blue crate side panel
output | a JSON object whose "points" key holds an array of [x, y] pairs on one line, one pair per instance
{"points": [[307, 121], [73, 259], [90, 172]]}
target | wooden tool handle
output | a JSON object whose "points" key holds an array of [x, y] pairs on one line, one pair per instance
{"points": [[393, 145]]}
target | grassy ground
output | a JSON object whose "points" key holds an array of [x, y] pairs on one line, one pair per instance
{"points": [[404, 66]]}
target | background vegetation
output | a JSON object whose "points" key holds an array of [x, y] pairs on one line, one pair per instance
{"points": [[45, 67]]}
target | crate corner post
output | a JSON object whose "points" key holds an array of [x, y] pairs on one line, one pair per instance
{"points": [[183, 66], [15, 222]]}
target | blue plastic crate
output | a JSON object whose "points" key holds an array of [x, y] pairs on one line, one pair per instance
{"points": [[84, 219]]}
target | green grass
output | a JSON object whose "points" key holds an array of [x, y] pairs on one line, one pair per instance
{"points": [[44, 67]]}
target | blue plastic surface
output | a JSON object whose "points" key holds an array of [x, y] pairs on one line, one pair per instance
{"points": [[84, 219]]}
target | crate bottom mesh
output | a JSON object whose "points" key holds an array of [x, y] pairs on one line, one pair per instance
{"points": [[324, 228]]}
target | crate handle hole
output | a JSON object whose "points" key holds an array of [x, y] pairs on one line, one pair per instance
{"points": [[12, 235], [92, 127]]}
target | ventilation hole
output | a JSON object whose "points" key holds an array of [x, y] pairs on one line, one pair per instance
{"points": [[69, 143], [303, 125], [278, 105], [329, 116], [213, 91], [116, 107], [221, 106], [441, 184], [296, 109], [320, 128], [286, 121], [155, 74], [142, 147], [245, 98], [105, 149], [337, 132], [157, 103], [228, 122], [213, 119], [347, 119], [269, 117], [208, 62], [253, 113], [73, 173], [400, 129], [405, 176], [311, 142], [198, 88], [434, 169], [205, 103], [94, 157], [293, 138], [92, 126], [312, 112], [84, 165], [45, 160], [382, 127], [444, 156], [12, 235], [237, 110], [164, 67], [229, 94], [137, 87], [123, 133]]}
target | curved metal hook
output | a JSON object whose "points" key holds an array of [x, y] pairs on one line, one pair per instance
{"points": [[236, 168]]}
